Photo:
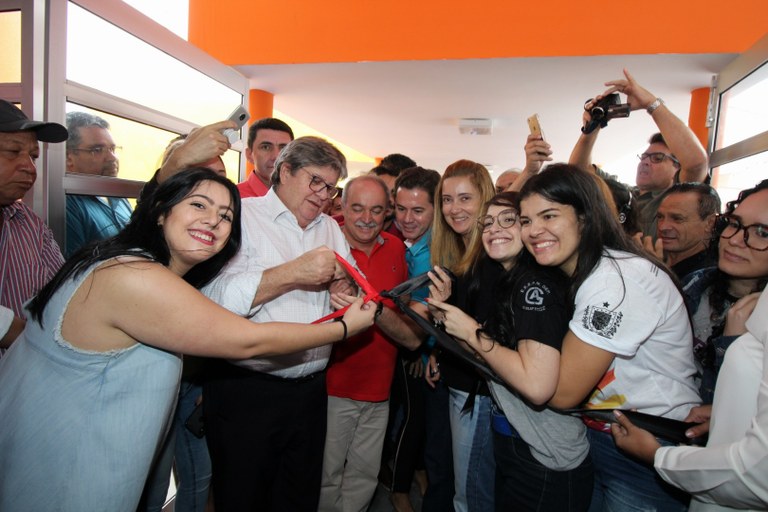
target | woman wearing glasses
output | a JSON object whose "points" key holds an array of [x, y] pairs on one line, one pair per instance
{"points": [[730, 472], [542, 457], [742, 268]]}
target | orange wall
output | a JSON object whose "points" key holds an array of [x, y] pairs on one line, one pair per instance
{"points": [[302, 31]]}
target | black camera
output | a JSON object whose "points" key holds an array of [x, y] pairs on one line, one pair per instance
{"points": [[603, 110]]}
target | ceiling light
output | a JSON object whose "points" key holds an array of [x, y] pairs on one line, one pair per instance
{"points": [[475, 126]]}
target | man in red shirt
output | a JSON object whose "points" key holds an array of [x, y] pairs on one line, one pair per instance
{"points": [[360, 371], [266, 138]]}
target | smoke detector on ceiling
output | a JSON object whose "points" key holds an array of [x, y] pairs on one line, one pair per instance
{"points": [[475, 126]]}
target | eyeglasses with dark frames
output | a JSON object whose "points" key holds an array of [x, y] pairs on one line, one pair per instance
{"points": [[657, 158], [755, 235], [98, 150], [505, 219], [318, 184]]}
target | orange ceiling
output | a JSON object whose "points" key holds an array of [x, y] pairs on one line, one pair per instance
{"points": [[239, 32]]}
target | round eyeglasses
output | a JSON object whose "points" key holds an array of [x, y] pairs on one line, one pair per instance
{"points": [[506, 219], [755, 235]]}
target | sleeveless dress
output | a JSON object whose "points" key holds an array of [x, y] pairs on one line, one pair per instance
{"points": [[80, 429]]}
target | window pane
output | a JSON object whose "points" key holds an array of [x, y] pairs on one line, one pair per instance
{"points": [[142, 146], [736, 176], [744, 109], [10, 46], [108, 59]]}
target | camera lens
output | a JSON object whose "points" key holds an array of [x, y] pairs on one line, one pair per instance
{"points": [[242, 117]]}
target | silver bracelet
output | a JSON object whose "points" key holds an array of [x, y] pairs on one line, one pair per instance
{"points": [[653, 106]]}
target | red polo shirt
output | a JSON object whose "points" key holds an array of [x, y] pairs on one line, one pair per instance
{"points": [[361, 368], [252, 187]]}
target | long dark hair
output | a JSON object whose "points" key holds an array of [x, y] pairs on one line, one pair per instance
{"points": [[600, 229], [143, 237], [719, 298]]}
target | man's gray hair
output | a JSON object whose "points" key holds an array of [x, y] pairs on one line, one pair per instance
{"points": [[306, 151], [77, 120]]}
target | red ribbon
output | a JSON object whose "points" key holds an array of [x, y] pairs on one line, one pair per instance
{"points": [[370, 291]]}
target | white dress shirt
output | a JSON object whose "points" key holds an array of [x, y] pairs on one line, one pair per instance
{"points": [[731, 473], [271, 237]]}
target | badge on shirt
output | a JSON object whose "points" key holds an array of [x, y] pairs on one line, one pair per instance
{"points": [[535, 295], [602, 320]]}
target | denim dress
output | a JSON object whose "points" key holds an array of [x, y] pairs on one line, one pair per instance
{"points": [[79, 428]]}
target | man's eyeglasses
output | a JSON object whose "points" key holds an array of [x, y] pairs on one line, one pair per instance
{"points": [[506, 219], [318, 184], [755, 235], [99, 150], [657, 158]]}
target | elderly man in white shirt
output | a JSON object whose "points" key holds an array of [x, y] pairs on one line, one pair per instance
{"points": [[265, 418]]}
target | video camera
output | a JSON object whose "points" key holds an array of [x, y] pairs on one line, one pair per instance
{"points": [[603, 110]]}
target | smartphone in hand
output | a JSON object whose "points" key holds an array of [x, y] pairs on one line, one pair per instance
{"points": [[240, 116], [535, 126]]}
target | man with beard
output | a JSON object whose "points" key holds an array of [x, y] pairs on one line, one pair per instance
{"points": [[91, 150]]}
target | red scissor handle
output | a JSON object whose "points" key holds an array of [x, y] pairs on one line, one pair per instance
{"points": [[370, 291]]}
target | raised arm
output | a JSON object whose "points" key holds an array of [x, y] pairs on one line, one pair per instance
{"points": [[581, 154], [144, 302], [537, 152], [680, 139], [201, 145]]}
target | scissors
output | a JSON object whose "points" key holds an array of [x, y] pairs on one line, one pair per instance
{"points": [[395, 294]]}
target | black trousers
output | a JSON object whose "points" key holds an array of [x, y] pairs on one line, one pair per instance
{"points": [[266, 438]]}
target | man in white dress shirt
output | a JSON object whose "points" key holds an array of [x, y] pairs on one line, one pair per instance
{"points": [[265, 418]]}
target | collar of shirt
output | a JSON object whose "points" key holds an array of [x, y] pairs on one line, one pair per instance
{"points": [[13, 209], [257, 186], [277, 209], [422, 244]]}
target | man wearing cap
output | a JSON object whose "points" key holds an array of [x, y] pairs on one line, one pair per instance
{"points": [[30, 256]]}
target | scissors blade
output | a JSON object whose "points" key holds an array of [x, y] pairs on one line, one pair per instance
{"points": [[411, 285]]}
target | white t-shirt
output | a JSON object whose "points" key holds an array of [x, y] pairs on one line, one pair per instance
{"points": [[630, 307]]}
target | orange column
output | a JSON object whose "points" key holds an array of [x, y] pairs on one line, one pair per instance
{"points": [[260, 105], [697, 116]]}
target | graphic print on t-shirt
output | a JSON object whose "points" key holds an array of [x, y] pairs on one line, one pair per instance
{"points": [[602, 320]]}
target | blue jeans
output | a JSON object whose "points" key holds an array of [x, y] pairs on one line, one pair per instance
{"points": [[623, 485], [193, 465], [524, 483], [474, 466]]}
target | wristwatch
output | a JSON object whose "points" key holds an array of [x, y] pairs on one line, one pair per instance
{"points": [[653, 106]]}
